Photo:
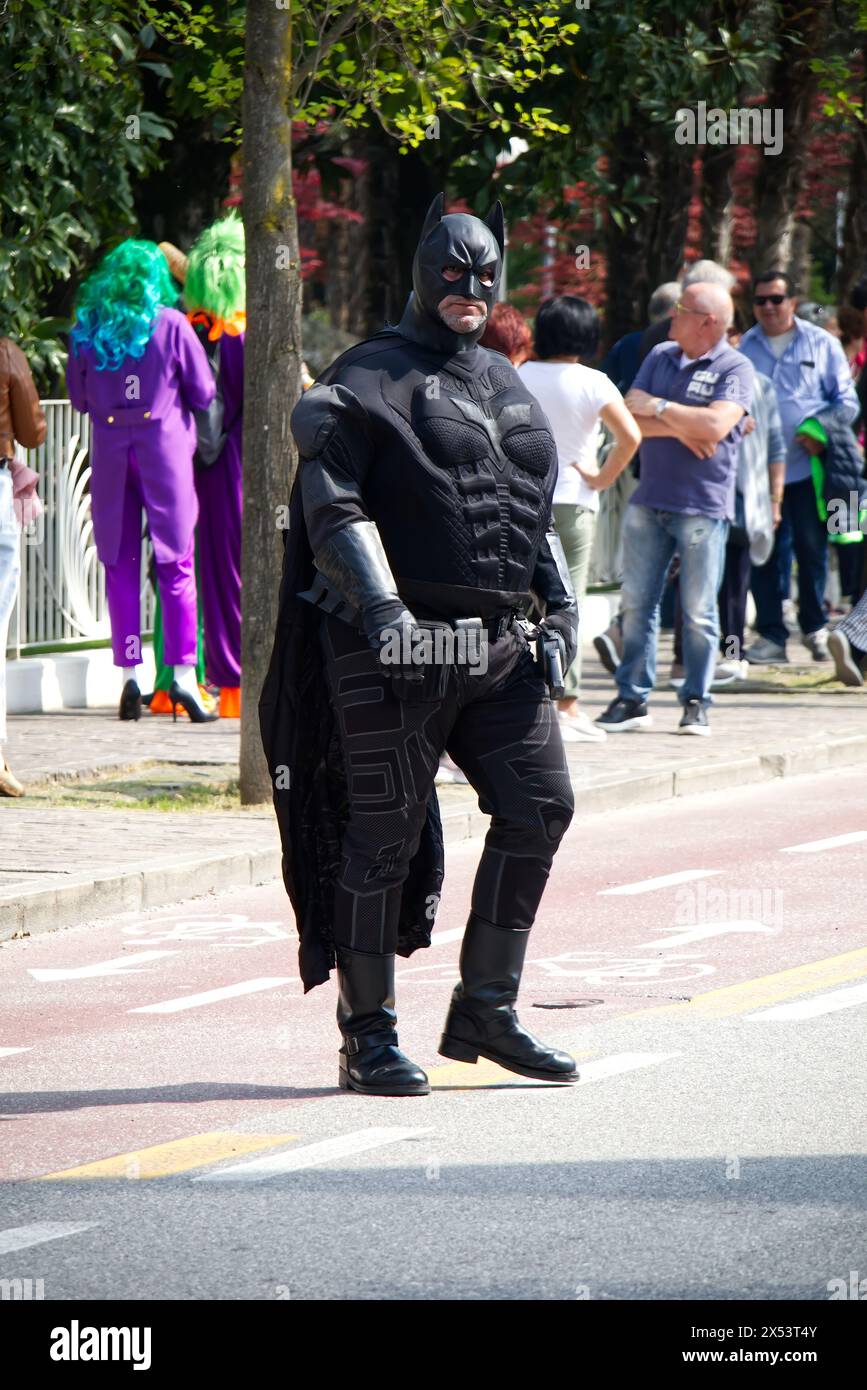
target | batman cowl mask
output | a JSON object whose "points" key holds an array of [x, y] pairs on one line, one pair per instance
{"points": [[456, 239]]}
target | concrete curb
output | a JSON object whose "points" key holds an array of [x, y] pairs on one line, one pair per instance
{"points": [[84, 898]]}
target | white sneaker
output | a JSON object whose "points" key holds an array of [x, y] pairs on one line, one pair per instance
{"points": [[577, 728], [727, 672], [448, 771]]}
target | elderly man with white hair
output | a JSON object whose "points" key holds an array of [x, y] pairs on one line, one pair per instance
{"points": [[696, 273], [689, 398]]}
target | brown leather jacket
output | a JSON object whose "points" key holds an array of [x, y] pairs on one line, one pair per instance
{"points": [[21, 415]]}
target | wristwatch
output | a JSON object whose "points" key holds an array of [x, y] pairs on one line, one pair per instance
{"points": [[660, 406]]}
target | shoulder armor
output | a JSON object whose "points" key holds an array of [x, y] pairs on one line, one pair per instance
{"points": [[319, 413]]}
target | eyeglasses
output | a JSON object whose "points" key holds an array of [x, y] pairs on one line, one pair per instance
{"points": [[681, 308], [762, 299]]}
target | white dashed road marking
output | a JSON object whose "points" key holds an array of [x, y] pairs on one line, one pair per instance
{"points": [[815, 846], [812, 1008], [621, 1062], [650, 885], [310, 1155], [20, 1237], [701, 933], [119, 966], [213, 996]]}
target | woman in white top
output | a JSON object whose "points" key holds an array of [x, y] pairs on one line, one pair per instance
{"points": [[575, 398]]}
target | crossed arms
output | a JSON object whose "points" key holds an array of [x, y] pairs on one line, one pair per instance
{"points": [[699, 427]]}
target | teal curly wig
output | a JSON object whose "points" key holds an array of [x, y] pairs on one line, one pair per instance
{"points": [[215, 272], [118, 305]]}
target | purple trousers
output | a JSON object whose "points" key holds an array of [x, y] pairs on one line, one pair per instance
{"points": [[220, 493], [177, 585]]}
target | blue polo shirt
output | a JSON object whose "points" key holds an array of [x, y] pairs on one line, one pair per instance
{"points": [[673, 479]]}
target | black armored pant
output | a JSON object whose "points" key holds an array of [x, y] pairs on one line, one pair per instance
{"points": [[501, 730]]}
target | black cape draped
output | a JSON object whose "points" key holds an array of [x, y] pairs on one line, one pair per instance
{"points": [[304, 756]]}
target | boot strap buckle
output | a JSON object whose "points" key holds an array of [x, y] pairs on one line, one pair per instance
{"points": [[356, 1042]]}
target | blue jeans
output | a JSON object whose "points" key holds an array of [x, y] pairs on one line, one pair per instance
{"points": [[802, 531], [650, 538]]}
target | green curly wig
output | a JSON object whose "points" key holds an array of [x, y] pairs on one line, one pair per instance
{"points": [[215, 273]]}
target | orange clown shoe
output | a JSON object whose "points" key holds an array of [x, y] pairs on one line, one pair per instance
{"points": [[160, 702], [230, 702]]}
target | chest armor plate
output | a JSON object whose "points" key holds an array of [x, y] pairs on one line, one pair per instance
{"points": [[489, 438]]}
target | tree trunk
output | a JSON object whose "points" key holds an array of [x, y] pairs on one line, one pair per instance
{"points": [[716, 199], [272, 370], [641, 254], [799, 256], [718, 161], [792, 89], [853, 261], [627, 289], [670, 180]]}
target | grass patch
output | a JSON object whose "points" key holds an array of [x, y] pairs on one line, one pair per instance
{"points": [[174, 787]]}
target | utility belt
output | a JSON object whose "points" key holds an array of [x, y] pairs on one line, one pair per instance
{"points": [[494, 628], [457, 606]]}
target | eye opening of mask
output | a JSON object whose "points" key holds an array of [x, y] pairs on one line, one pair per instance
{"points": [[452, 272]]}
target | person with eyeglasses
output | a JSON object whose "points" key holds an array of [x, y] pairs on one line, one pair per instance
{"points": [[690, 399], [812, 381]]}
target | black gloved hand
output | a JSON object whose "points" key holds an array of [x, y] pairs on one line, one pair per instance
{"points": [[565, 626], [393, 631]]}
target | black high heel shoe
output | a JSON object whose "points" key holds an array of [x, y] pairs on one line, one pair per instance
{"points": [[130, 702], [190, 704]]}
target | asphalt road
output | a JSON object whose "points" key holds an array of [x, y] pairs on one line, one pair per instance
{"points": [[172, 1128]]}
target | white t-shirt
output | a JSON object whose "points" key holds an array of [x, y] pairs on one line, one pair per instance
{"points": [[572, 396], [780, 341]]}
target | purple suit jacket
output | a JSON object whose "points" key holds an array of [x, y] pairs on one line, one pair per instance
{"points": [[145, 404]]}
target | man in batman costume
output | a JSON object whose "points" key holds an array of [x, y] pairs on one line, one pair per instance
{"points": [[422, 498]]}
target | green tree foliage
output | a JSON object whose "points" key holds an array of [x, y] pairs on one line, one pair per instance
{"points": [[74, 137]]}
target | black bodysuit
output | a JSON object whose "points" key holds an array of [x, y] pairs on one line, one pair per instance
{"points": [[444, 457]]}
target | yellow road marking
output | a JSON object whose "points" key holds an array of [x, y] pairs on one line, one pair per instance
{"points": [[768, 989], [178, 1156]]}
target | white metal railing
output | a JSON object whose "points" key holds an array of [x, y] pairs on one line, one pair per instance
{"points": [[61, 598]]}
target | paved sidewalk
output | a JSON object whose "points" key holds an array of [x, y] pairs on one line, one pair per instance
{"points": [[62, 865]]}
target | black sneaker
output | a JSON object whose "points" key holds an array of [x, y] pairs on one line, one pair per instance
{"points": [[622, 715], [607, 652], [694, 719]]}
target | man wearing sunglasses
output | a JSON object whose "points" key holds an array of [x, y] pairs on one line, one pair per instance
{"points": [[812, 380]]}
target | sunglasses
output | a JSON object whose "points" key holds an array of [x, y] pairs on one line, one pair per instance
{"points": [[681, 308], [762, 299]]}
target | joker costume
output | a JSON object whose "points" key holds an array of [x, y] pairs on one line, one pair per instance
{"points": [[143, 437]]}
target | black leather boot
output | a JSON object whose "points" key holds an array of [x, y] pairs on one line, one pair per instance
{"points": [[482, 1022], [369, 1059]]}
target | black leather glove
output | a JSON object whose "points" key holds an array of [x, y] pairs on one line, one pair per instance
{"points": [[564, 625], [354, 561]]}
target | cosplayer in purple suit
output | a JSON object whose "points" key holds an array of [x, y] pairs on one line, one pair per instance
{"points": [[138, 369], [214, 294]]}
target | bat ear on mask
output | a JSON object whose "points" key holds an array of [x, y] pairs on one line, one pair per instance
{"points": [[434, 216], [495, 221]]}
